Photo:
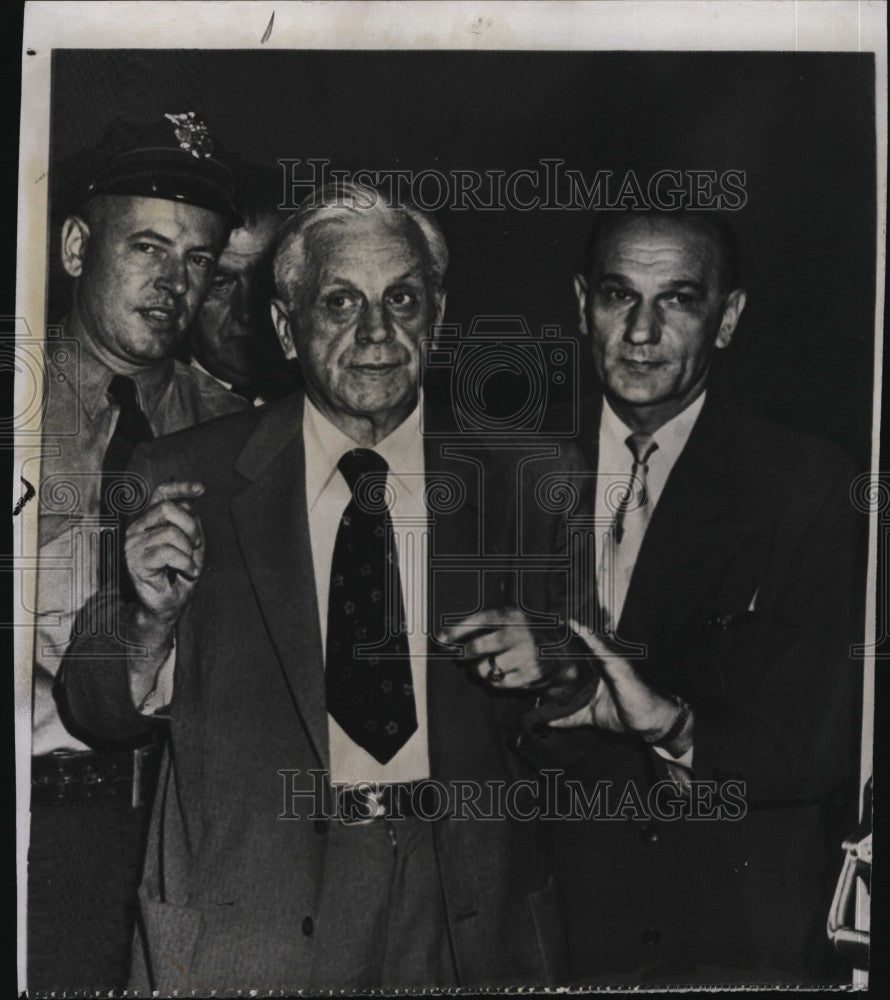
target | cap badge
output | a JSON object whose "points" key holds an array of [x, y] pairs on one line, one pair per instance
{"points": [[192, 134]]}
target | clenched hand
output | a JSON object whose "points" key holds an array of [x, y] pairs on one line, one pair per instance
{"points": [[165, 551]]}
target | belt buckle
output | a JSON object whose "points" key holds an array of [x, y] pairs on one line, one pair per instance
{"points": [[374, 795], [60, 788]]}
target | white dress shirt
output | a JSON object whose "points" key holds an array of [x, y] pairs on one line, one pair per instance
{"points": [[327, 496], [259, 400], [614, 467]]}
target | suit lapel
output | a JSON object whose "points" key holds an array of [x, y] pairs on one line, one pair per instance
{"points": [[699, 522], [271, 523], [452, 585], [588, 441]]}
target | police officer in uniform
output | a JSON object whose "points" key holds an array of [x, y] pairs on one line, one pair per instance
{"points": [[153, 210]]}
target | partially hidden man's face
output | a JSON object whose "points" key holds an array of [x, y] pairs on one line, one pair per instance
{"points": [[361, 311], [143, 267], [223, 336], [654, 313]]}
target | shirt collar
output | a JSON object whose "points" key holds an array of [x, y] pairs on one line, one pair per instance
{"points": [[326, 444], [671, 437], [94, 376], [195, 363]]}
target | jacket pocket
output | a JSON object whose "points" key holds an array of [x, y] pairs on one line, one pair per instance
{"points": [[550, 932], [166, 938]]}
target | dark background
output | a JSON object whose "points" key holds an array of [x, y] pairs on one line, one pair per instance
{"points": [[799, 124]]}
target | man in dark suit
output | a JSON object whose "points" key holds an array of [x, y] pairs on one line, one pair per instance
{"points": [[265, 566], [719, 615]]}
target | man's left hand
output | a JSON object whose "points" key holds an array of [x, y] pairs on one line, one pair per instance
{"points": [[624, 702], [503, 652], [501, 648]]}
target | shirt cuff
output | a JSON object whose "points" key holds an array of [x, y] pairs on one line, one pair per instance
{"points": [[161, 694]]}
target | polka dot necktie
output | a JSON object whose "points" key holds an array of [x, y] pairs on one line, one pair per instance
{"points": [[367, 666]]}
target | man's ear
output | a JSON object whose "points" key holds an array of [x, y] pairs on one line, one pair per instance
{"points": [[732, 311], [581, 295], [281, 319], [439, 315], [75, 237]]}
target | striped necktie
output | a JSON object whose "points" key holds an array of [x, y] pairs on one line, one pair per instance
{"points": [[622, 542]]}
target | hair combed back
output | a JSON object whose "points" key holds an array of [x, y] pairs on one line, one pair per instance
{"points": [[715, 224], [347, 201]]}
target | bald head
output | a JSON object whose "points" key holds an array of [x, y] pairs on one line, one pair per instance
{"points": [[705, 228]]}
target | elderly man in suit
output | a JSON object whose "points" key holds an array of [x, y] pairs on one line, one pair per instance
{"points": [[283, 625], [719, 618]]}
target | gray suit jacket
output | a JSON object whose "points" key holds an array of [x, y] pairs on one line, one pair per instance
{"points": [[227, 883]]}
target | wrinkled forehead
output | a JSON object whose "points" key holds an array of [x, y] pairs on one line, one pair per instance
{"points": [[250, 244], [658, 247], [345, 235]]}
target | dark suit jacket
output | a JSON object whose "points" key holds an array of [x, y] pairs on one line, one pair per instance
{"points": [[227, 883], [741, 598]]}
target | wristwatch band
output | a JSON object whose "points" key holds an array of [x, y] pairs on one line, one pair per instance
{"points": [[676, 726]]}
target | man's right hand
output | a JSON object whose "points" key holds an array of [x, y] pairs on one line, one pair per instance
{"points": [[165, 551]]}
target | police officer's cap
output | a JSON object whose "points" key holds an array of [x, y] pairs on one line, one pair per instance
{"points": [[174, 157]]}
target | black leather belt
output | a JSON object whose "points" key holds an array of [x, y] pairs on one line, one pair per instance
{"points": [[69, 777], [395, 800]]}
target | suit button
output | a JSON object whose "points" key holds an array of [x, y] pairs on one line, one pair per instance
{"points": [[651, 936], [308, 926], [649, 833]]}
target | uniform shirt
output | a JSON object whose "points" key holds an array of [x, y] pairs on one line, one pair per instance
{"points": [[78, 424], [615, 464]]}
